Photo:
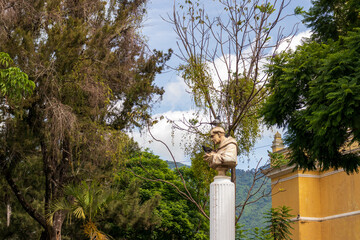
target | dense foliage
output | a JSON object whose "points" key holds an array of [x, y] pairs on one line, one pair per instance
{"points": [[14, 84], [179, 218], [315, 92], [90, 75], [330, 19], [130, 207]]}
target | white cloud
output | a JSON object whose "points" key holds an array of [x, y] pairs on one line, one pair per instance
{"points": [[220, 69], [295, 41], [176, 93], [222, 65], [163, 131]]}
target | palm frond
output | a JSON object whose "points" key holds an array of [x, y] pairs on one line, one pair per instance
{"points": [[60, 205], [79, 213]]}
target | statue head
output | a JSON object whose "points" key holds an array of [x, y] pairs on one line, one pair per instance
{"points": [[217, 134]]}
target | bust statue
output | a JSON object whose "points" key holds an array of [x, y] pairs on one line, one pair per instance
{"points": [[225, 156]]}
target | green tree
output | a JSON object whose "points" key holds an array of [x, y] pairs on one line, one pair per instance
{"points": [[179, 217], [14, 84], [315, 95], [14, 87], [333, 18], [93, 77], [278, 226], [130, 215]]}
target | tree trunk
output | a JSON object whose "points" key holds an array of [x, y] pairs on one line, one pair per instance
{"points": [[51, 232], [58, 220], [8, 213], [54, 232], [8, 208]]}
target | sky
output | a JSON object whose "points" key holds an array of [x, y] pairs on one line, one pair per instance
{"points": [[177, 103]]}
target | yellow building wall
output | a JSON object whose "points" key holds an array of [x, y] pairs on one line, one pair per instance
{"points": [[302, 195], [286, 193], [347, 228], [310, 206], [317, 195], [342, 193], [309, 230], [309, 196], [326, 204]]}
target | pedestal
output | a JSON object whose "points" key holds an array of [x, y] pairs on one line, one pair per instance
{"points": [[222, 209]]}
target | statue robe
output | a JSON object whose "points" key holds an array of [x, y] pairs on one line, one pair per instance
{"points": [[226, 154]]}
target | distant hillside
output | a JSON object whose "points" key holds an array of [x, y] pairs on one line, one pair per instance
{"points": [[171, 164], [253, 213]]}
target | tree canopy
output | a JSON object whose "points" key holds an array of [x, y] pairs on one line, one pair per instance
{"points": [[178, 217], [329, 19], [315, 91], [88, 75]]}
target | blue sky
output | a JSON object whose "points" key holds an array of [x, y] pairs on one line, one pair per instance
{"points": [[176, 101]]}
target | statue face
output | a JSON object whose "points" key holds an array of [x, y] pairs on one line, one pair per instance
{"points": [[215, 138]]}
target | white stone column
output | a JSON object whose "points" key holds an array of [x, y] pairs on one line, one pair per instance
{"points": [[222, 209]]}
